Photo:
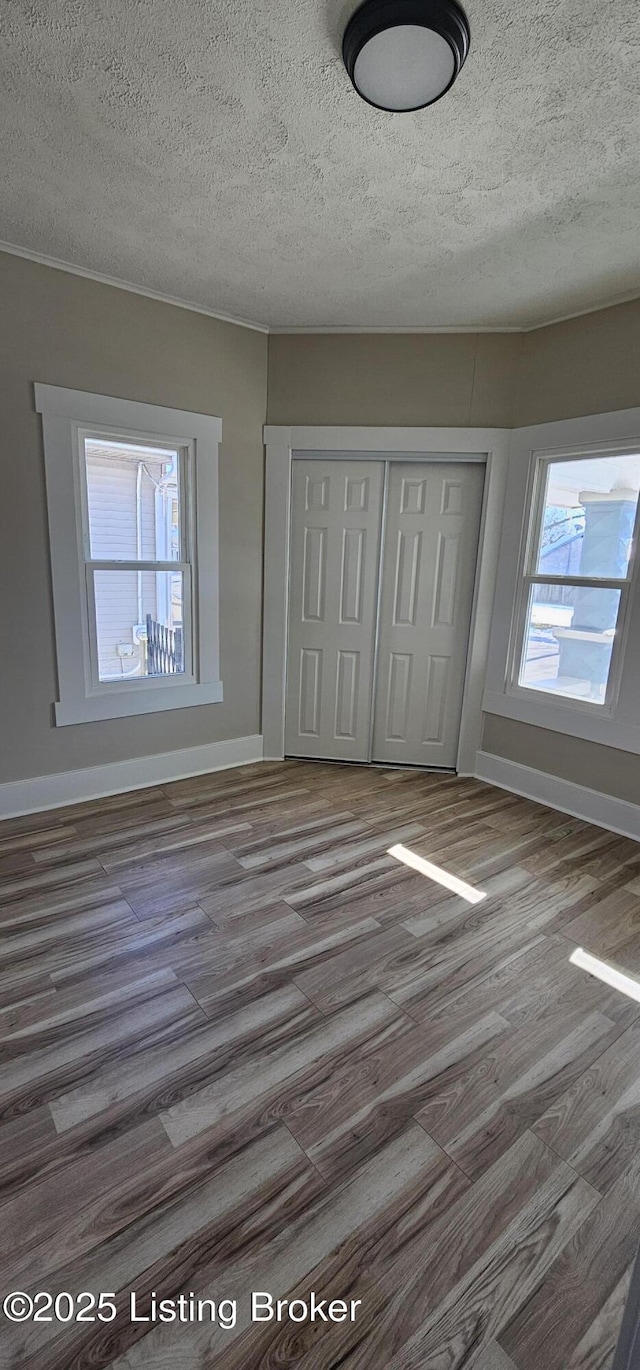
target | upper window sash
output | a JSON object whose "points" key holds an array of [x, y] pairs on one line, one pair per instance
{"points": [[539, 484], [185, 452]]}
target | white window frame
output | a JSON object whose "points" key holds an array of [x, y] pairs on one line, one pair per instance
{"points": [[68, 417], [616, 722], [528, 576]]}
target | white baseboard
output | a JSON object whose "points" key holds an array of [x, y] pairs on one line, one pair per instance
{"points": [[95, 782], [618, 815]]}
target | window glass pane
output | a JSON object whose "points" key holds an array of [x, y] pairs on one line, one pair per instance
{"points": [[134, 501], [589, 512], [139, 623], [568, 640]]}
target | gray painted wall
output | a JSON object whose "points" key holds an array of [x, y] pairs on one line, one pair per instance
{"points": [[606, 769], [61, 329], [454, 379], [586, 365], [64, 330]]}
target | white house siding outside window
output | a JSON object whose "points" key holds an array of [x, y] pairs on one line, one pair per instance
{"points": [[133, 507]]}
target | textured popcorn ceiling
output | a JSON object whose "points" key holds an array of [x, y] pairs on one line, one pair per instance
{"points": [[215, 150]]}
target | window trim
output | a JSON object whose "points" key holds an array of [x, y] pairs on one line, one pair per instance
{"points": [[616, 723], [528, 575], [68, 415]]}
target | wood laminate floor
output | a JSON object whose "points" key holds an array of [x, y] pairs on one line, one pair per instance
{"points": [[248, 1050]]}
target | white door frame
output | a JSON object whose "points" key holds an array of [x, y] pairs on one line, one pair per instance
{"points": [[488, 445]]}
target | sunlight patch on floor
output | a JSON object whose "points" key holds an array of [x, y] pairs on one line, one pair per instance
{"points": [[616, 978], [441, 877]]}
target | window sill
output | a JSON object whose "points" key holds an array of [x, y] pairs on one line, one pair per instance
{"points": [[133, 702], [561, 717]]}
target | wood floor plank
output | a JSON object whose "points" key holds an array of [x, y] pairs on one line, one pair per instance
{"points": [[244, 1047], [127, 947], [405, 1273], [459, 1244], [62, 898], [378, 888], [580, 1281], [238, 892], [51, 1017], [562, 982], [494, 1358], [607, 922], [163, 1056], [262, 958], [364, 965], [296, 843], [407, 1071], [513, 1107], [376, 837], [41, 881], [595, 1123], [258, 1078], [44, 1073], [569, 853], [170, 881], [596, 1348], [76, 1210], [364, 1213], [170, 1244], [533, 982], [437, 969], [536, 902], [478, 1306]]}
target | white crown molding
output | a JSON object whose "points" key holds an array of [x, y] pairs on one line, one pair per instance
{"points": [[616, 815], [581, 313], [96, 782], [284, 330], [329, 329], [43, 260]]}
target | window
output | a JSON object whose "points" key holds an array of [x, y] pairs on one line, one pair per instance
{"points": [[137, 557], [132, 497], [577, 577]]}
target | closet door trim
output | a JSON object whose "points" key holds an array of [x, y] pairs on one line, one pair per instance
{"points": [[490, 445]]}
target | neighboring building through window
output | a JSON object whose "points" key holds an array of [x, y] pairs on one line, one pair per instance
{"points": [[577, 575], [134, 554], [134, 516]]}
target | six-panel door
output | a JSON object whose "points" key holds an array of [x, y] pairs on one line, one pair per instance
{"points": [[431, 542], [420, 584], [335, 548]]}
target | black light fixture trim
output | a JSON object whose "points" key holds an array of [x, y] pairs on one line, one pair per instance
{"points": [[444, 17]]}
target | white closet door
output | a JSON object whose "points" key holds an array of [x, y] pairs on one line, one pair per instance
{"points": [[335, 547], [431, 541]]}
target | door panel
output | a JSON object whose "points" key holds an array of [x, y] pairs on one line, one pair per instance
{"points": [[335, 546], [431, 540]]}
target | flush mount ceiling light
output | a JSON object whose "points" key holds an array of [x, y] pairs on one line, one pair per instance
{"points": [[404, 54]]}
